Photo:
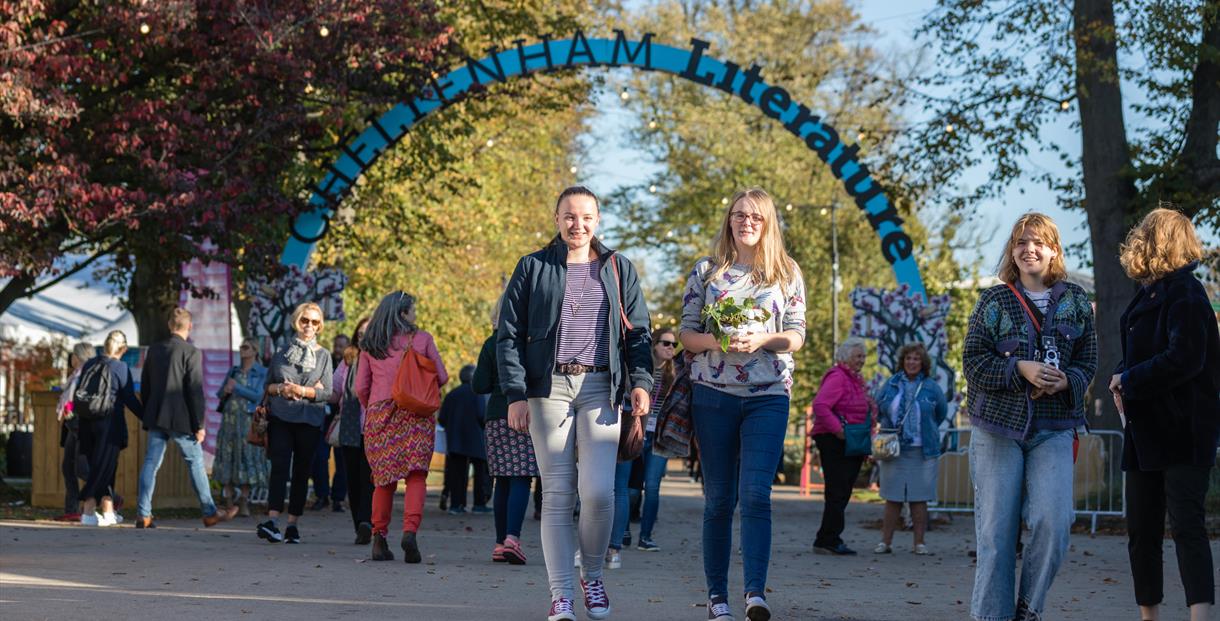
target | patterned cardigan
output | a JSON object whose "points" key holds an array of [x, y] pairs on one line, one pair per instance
{"points": [[997, 396]]}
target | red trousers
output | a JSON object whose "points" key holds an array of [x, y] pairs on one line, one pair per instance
{"points": [[413, 503]]}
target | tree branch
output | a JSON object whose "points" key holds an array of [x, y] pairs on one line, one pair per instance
{"points": [[1199, 146]]}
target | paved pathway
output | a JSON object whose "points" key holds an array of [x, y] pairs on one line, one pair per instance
{"points": [[182, 571]]}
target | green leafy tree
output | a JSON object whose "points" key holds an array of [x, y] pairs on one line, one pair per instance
{"points": [[711, 145], [1015, 70], [448, 212]]}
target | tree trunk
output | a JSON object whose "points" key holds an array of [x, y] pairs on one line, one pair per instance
{"points": [[15, 290], [1109, 190], [154, 290]]}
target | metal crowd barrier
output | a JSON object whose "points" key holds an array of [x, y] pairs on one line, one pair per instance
{"points": [[1099, 484]]}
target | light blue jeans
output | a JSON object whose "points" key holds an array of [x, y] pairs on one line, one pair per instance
{"points": [[1035, 472], [192, 452]]}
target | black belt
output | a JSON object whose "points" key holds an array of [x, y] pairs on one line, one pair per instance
{"points": [[571, 368]]}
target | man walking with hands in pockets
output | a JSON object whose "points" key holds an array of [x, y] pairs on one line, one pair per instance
{"points": [[171, 388]]}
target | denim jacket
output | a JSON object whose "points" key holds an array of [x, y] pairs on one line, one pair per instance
{"points": [[252, 391], [932, 409]]}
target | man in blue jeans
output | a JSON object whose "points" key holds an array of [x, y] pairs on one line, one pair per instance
{"points": [[171, 388]]}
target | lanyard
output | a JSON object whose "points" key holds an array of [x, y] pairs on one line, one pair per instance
{"points": [[1047, 337]]}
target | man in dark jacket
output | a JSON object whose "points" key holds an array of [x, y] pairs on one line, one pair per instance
{"points": [[463, 415], [171, 388]]}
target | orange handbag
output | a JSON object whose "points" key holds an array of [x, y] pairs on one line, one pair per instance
{"points": [[417, 386]]}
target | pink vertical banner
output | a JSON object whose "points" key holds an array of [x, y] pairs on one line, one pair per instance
{"points": [[212, 334]]}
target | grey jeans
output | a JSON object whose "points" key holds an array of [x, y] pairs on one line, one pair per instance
{"points": [[577, 414]]}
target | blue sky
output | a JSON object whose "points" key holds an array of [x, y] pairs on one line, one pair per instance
{"points": [[615, 162]]}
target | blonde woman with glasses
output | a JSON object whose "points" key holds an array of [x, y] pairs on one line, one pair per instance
{"points": [[298, 386], [741, 395]]}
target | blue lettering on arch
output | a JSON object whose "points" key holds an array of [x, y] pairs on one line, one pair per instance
{"points": [[359, 152]]}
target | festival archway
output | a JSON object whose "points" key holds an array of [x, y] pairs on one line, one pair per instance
{"points": [[359, 152]]}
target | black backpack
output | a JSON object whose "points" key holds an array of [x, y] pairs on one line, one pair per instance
{"points": [[95, 395]]}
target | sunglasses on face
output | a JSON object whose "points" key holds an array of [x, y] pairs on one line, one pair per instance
{"points": [[306, 321], [667, 343], [246, 347]]}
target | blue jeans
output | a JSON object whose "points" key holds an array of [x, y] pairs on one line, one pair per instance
{"points": [[741, 441], [1009, 475], [622, 504], [654, 469], [320, 473], [192, 452]]}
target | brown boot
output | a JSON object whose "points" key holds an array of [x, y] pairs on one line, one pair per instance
{"points": [[220, 516], [145, 522], [381, 549]]}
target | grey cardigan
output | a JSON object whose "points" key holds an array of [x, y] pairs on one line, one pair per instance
{"points": [[309, 411]]}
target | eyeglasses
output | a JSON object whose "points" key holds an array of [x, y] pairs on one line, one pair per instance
{"points": [[667, 343], [306, 321], [246, 347], [740, 217]]}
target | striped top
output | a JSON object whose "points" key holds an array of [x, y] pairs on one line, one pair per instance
{"points": [[1041, 299], [583, 334]]}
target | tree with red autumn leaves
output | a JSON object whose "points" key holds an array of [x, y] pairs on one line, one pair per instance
{"points": [[135, 128]]}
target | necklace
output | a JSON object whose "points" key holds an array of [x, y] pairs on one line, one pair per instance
{"points": [[584, 288]]}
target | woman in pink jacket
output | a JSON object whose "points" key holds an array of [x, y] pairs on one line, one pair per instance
{"points": [[398, 443], [841, 398]]}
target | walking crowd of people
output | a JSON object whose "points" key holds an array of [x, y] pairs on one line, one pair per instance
{"points": [[569, 392]]}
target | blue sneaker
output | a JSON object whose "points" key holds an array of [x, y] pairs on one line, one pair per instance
{"points": [[482, 509], [647, 545]]}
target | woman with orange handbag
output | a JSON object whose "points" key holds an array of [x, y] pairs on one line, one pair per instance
{"points": [[398, 434]]}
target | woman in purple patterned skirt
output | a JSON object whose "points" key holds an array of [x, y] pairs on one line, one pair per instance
{"points": [[510, 456]]}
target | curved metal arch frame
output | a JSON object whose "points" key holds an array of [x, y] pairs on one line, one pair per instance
{"points": [[359, 152]]}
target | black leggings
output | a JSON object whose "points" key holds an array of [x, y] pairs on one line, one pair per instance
{"points": [[71, 482], [359, 485], [1181, 490], [840, 472], [290, 446]]}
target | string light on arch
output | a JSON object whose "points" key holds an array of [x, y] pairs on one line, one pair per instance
{"points": [[324, 32], [145, 28]]}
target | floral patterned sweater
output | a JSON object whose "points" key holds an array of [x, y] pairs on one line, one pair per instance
{"points": [[738, 373]]}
